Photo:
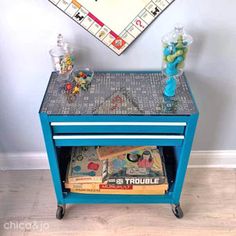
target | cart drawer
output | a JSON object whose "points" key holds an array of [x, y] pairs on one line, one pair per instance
{"points": [[118, 140], [118, 127]]}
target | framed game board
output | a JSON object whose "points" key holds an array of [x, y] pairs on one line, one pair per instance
{"points": [[116, 23]]}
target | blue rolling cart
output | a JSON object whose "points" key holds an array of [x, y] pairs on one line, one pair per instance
{"points": [[119, 109]]}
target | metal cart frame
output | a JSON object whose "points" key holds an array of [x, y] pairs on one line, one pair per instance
{"points": [[172, 130]]}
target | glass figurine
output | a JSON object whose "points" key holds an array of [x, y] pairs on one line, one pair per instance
{"points": [[175, 48]]}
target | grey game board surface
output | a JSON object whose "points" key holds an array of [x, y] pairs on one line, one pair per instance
{"points": [[120, 93]]}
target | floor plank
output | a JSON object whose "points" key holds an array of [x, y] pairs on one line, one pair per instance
{"points": [[208, 202]]}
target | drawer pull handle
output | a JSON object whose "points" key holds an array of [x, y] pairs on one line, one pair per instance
{"points": [[56, 137], [118, 124]]}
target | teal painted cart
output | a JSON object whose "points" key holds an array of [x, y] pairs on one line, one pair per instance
{"points": [[120, 108]]}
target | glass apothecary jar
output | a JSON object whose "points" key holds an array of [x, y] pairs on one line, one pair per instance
{"points": [[62, 57], [175, 48]]}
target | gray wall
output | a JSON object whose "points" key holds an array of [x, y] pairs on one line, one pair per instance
{"points": [[28, 30]]}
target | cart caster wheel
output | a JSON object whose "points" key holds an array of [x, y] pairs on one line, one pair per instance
{"points": [[60, 212], [177, 211]]}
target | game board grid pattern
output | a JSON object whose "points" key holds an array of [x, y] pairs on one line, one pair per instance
{"points": [[140, 93], [117, 43]]}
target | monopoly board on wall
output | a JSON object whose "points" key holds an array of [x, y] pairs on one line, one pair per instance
{"points": [[116, 23]]}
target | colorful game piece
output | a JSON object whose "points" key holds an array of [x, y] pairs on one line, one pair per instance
{"points": [[70, 92], [79, 80], [172, 67], [83, 79], [172, 57], [170, 87], [76, 90], [68, 86], [180, 42]]}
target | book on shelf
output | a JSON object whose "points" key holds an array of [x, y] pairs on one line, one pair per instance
{"points": [[84, 166], [106, 152]]}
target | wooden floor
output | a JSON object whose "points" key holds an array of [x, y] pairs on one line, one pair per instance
{"points": [[208, 202]]}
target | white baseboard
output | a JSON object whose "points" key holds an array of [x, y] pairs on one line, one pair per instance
{"points": [[213, 159], [23, 161], [37, 161]]}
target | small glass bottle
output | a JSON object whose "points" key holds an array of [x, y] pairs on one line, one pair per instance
{"points": [[62, 57]]}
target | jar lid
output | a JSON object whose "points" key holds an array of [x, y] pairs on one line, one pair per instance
{"points": [[176, 34], [61, 49]]}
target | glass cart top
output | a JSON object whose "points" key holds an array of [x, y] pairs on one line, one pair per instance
{"points": [[120, 93]]}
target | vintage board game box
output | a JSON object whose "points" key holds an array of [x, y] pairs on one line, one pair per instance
{"points": [[104, 186], [142, 167], [128, 190], [85, 167], [83, 186], [107, 152], [121, 189]]}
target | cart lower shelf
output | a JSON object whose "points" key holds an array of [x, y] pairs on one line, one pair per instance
{"points": [[81, 198]]}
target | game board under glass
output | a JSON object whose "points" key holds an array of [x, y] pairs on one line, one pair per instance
{"points": [[120, 93]]}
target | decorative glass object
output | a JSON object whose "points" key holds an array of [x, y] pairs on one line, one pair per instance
{"points": [[62, 57], [175, 48]]}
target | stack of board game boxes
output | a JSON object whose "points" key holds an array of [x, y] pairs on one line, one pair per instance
{"points": [[117, 170]]}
